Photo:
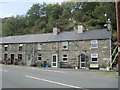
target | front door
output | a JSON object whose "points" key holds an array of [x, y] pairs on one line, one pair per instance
{"points": [[28, 60], [5, 56], [82, 61], [12, 58], [54, 60]]}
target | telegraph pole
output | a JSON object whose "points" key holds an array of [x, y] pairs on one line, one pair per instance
{"points": [[118, 34]]}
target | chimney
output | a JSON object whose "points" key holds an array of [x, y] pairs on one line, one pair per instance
{"points": [[56, 31], [80, 28]]}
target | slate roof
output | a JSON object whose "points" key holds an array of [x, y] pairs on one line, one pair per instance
{"points": [[62, 36]]}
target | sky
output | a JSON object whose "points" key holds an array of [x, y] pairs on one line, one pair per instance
{"points": [[19, 7]]}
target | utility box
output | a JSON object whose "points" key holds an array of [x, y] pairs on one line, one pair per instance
{"points": [[59, 64]]}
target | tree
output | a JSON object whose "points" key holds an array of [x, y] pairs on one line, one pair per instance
{"points": [[40, 24], [67, 15], [35, 12], [53, 10]]}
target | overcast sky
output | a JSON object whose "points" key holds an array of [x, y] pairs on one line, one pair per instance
{"points": [[19, 7]]}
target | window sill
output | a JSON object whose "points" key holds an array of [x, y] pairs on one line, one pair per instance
{"points": [[39, 50], [94, 48], [65, 49], [39, 60], [94, 61], [64, 61]]}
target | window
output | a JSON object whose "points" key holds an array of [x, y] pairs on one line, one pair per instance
{"points": [[39, 46], [20, 47], [94, 44], [65, 58], [19, 56], [65, 45], [94, 57], [6, 47], [39, 57]]}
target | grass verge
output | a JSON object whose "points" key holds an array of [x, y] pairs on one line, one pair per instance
{"points": [[110, 74]]}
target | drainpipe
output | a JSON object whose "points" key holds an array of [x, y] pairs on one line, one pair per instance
{"points": [[110, 53], [33, 54], [118, 33], [58, 54]]}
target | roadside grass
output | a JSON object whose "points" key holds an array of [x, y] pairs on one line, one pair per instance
{"points": [[110, 74]]}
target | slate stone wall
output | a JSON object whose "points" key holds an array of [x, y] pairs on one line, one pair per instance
{"points": [[75, 48]]}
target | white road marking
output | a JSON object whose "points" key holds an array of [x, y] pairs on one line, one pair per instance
{"points": [[39, 69], [59, 71], [52, 81], [3, 70]]}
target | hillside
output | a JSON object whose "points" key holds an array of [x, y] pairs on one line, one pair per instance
{"points": [[41, 18]]}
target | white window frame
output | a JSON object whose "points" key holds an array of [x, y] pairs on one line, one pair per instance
{"points": [[39, 46], [65, 57], [20, 46], [94, 42], [64, 44], [6, 46], [94, 55], [39, 56]]}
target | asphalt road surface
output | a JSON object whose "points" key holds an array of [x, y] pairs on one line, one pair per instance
{"points": [[31, 77]]}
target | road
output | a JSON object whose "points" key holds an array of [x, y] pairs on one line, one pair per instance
{"points": [[31, 77]]}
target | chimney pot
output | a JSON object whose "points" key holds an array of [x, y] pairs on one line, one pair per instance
{"points": [[80, 28], [56, 31]]}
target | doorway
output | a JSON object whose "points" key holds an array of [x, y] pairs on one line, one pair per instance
{"points": [[5, 56], [54, 60], [28, 60], [12, 58], [82, 61]]}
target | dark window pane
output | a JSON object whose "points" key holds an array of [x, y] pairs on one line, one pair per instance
{"points": [[39, 55], [64, 59], [64, 55], [6, 48], [94, 59], [54, 58], [39, 58], [82, 64], [64, 47], [82, 58], [54, 64], [20, 48]]}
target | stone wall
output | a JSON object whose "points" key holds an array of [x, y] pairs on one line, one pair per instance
{"points": [[75, 48]]}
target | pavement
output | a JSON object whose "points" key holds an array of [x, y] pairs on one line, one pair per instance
{"points": [[36, 77]]}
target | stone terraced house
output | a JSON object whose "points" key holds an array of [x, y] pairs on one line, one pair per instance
{"points": [[79, 48]]}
